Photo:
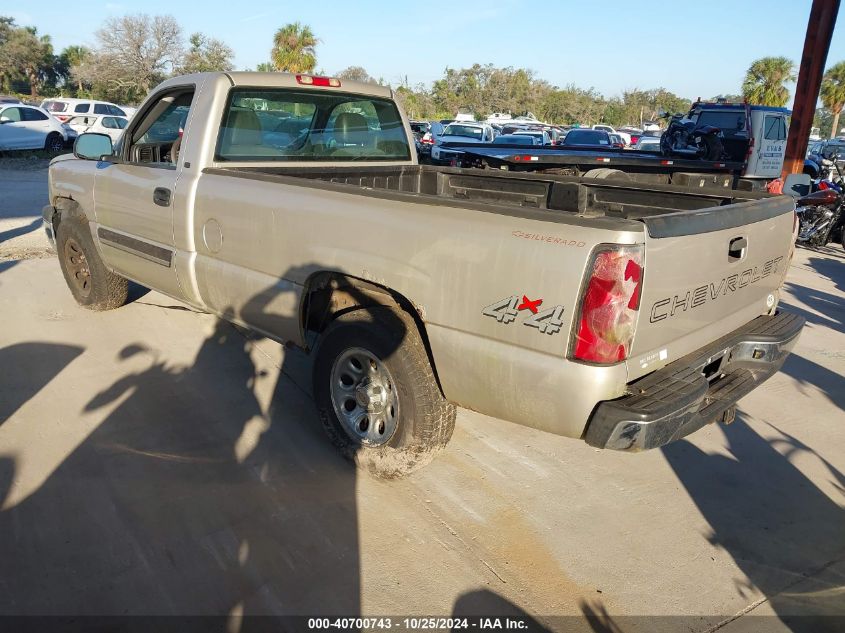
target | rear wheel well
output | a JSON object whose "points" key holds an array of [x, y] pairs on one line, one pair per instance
{"points": [[328, 295]]}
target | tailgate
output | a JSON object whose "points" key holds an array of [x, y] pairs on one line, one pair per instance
{"points": [[707, 272]]}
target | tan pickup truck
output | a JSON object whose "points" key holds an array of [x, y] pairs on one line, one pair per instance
{"points": [[625, 315]]}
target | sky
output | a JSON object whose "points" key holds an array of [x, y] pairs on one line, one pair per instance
{"points": [[703, 50]]}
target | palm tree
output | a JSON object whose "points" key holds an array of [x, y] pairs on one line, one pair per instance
{"points": [[833, 93], [765, 79], [293, 49]]}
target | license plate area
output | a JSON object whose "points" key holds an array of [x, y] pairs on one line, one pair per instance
{"points": [[712, 367]]}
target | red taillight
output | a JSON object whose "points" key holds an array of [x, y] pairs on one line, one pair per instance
{"points": [[326, 82], [61, 117], [634, 139], [609, 305]]}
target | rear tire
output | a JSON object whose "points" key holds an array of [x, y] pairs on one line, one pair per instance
{"points": [[389, 435], [92, 284], [54, 142], [606, 173], [712, 147]]}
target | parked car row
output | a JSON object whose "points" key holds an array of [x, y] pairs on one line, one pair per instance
{"points": [[55, 124], [500, 129]]}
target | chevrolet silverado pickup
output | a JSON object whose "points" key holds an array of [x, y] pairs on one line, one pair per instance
{"points": [[624, 314]]}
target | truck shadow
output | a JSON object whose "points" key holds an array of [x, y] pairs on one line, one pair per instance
{"points": [[825, 309], [777, 525], [199, 493], [808, 373], [830, 268]]}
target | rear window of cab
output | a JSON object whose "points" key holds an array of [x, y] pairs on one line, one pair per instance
{"points": [[283, 124], [55, 106]]}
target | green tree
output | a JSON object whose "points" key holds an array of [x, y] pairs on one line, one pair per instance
{"points": [[294, 49], [7, 66], [78, 59], [823, 119], [206, 54], [832, 93], [730, 98], [30, 58], [356, 73], [265, 67], [765, 79]]}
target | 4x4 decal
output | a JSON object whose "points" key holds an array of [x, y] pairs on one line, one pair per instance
{"points": [[549, 321]]}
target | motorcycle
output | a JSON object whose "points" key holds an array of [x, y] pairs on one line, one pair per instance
{"points": [[820, 213], [683, 138]]}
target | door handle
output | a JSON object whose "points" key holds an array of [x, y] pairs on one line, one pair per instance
{"points": [[737, 248], [161, 196]]}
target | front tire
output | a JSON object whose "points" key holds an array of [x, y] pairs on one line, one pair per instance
{"points": [[92, 284], [376, 393], [666, 144], [54, 142]]}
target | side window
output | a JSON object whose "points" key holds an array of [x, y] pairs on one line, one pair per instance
{"points": [[108, 121], [774, 128], [12, 114], [157, 136], [82, 107], [31, 114], [106, 108]]}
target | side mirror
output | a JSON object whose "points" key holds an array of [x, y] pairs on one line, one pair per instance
{"points": [[797, 185], [92, 146]]}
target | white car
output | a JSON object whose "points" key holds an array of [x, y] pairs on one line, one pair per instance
{"points": [[110, 125], [459, 132], [626, 138], [64, 108], [28, 127], [648, 144]]}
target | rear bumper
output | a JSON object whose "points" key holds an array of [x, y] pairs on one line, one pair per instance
{"points": [[679, 399]]}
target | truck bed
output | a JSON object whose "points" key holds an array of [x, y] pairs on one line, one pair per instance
{"points": [[504, 192]]}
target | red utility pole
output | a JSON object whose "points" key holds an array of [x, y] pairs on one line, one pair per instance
{"points": [[816, 44]]}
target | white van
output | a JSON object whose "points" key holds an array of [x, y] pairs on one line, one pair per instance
{"points": [[768, 129], [64, 108]]}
